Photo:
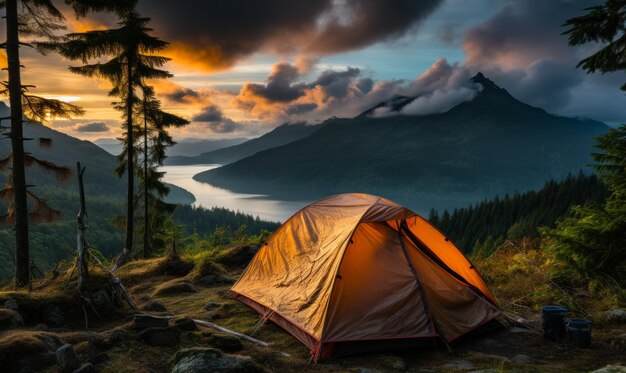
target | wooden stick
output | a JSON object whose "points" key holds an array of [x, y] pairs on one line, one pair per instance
{"points": [[232, 332]]}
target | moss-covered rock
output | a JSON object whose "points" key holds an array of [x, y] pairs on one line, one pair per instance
{"points": [[201, 360], [10, 319], [28, 350], [176, 286]]}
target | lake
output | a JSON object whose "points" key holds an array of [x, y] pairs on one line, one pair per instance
{"points": [[263, 206], [281, 206]]}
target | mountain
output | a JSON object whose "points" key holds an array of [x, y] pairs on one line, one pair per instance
{"points": [[493, 144], [66, 151], [184, 147], [281, 135], [105, 196]]}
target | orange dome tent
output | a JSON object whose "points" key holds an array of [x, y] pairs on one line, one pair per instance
{"points": [[351, 270]]}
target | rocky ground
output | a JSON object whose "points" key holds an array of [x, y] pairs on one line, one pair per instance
{"points": [[44, 330]]}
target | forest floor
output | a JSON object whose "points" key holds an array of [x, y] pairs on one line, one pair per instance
{"points": [[197, 288]]}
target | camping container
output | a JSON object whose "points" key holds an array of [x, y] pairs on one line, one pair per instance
{"points": [[578, 332], [552, 322]]}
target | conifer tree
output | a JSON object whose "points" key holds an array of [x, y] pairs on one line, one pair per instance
{"points": [[131, 49], [156, 140], [26, 20]]}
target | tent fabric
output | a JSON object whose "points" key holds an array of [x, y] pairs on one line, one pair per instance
{"points": [[356, 267]]}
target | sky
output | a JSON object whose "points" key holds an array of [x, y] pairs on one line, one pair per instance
{"points": [[242, 67]]}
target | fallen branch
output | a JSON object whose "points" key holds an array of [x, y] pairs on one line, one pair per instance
{"points": [[116, 285], [232, 332]]}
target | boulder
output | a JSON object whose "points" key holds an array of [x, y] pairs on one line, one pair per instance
{"points": [[211, 306], [186, 324], [166, 337], [107, 339], [10, 319], [27, 351], [11, 304], [225, 342], [141, 321], [215, 279], [67, 359], [154, 306], [203, 360], [616, 315], [177, 286]]}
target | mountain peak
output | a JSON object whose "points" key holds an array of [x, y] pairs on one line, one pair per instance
{"points": [[486, 82]]}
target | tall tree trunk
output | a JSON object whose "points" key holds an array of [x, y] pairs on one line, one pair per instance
{"points": [[81, 242], [130, 193], [145, 182], [20, 206]]}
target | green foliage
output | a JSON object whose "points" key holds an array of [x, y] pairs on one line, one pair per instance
{"points": [[603, 24], [51, 243], [130, 50], [152, 191], [593, 241], [480, 229]]}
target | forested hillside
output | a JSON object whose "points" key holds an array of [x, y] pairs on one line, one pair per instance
{"points": [[480, 228], [104, 194]]}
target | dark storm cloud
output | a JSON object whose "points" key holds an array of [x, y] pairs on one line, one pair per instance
{"points": [[182, 95], [300, 109], [209, 114], [336, 83], [92, 127], [365, 85], [225, 126], [212, 117], [216, 34], [354, 24], [279, 87], [523, 50]]}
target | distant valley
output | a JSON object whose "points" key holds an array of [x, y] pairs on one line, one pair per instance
{"points": [[185, 147]]}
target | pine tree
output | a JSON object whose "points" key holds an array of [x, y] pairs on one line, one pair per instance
{"points": [[131, 49], [603, 24], [156, 140], [27, 19]]}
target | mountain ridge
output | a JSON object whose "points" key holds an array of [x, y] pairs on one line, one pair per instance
{"points": [[493, 144], [279, 136]]}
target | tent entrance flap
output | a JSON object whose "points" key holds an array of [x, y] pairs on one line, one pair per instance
{"points": [[375, 295]]}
